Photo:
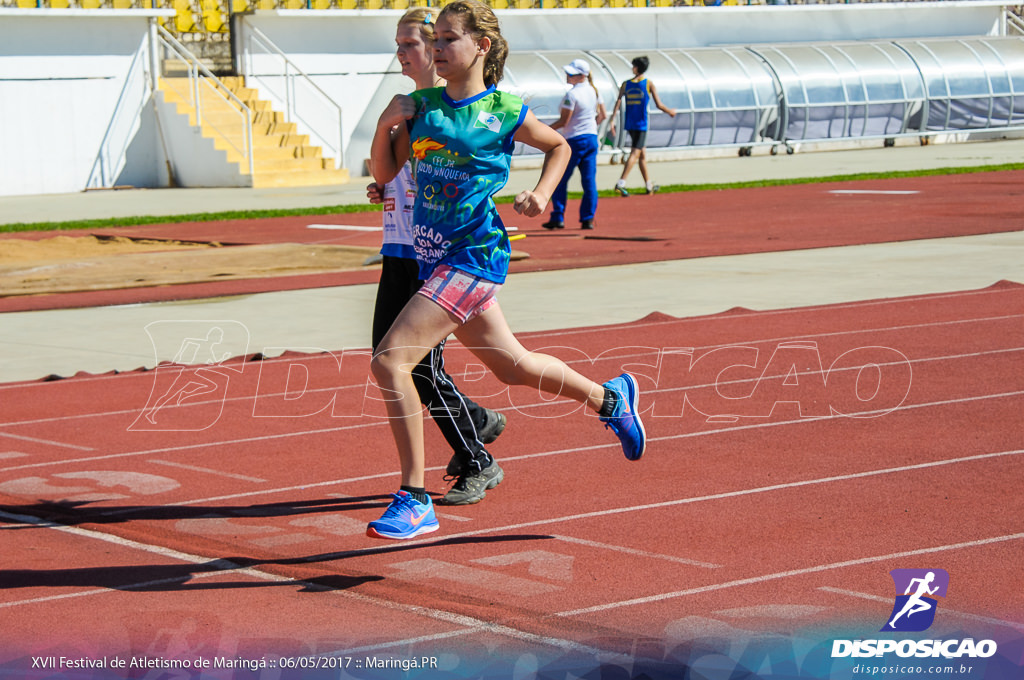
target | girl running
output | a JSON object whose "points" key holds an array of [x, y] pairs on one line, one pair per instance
{"points": [[466, 426], [460, 138]]}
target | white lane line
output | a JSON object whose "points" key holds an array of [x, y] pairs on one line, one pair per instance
{"points": [[637, 553], [544, 454], [343, 227], [653, 351], [755, 580], [247, 440], [694, 499], [408, 642], [873, 191], [945, 610], [683, 320], [221, 566], [196, 468], [48, 442], [540, 404], [189, 447]]}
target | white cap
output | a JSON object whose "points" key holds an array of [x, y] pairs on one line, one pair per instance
{"points": [[578, 67]]}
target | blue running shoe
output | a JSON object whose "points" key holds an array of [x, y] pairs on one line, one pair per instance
{"points": [[406, 517], [625, 422]]}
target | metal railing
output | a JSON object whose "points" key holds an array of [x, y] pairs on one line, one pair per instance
{"points": [[112, 155], [304, 102], [1014, 22], [222, 97]]}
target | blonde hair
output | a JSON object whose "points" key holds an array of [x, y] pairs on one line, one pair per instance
{"points": [[419, 16], [590, 79], [479, 21]]}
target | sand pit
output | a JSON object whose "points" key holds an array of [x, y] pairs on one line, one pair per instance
{"points": [[64, 264]]}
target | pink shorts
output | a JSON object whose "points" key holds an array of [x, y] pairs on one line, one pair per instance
{"points": [[459, 292]]}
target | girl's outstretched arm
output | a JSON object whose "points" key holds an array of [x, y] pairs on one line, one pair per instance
{"points": [[556, 158], [390, 147]]}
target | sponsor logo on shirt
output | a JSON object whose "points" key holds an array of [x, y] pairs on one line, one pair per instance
{"points": [[491, 121]]}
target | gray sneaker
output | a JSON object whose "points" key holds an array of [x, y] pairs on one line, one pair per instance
{"points": [[471, 487], [494, 425]]}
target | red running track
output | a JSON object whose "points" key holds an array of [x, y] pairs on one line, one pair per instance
{"points": [[795, 458], [629, 230]]}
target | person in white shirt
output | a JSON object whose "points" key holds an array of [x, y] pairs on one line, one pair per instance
{"points": [[581, 112]]}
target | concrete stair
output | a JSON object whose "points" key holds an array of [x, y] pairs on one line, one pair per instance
{"points": [[281, 156]]}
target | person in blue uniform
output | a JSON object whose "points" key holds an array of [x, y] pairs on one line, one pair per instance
{"points": [[637, 93]]}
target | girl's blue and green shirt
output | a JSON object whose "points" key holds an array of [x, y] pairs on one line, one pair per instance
{"points": [[460, 153]]}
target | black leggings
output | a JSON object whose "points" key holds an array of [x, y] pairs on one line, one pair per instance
{"points": [[457, 416]]}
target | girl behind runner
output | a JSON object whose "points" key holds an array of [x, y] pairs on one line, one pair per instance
{"points": [[460, 138]]}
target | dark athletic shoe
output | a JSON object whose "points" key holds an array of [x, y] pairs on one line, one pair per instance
{"points": [[587, 224], [653, 190], [471, 487], [553, 225], [494, 425], [622, 190]]}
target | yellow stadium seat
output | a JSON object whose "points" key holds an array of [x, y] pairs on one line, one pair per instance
{"points": [[86, 4], [373, 4], [59, 4], [265, 4], [320, 4], [184, 20], [214, 20], [595, 3], [570, 4], [239, 6], [499, 4], [348, 4], [400, 4], [122, 4], [522, 4], [27, 4]]}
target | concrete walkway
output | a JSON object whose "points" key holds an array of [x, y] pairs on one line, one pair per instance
{"points": [[63, 342]]}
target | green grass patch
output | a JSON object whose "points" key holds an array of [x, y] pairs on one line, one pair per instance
{"points": [[361, 208], [194, 217]]}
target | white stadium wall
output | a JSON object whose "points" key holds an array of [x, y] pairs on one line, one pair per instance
{"points": [[77, 110], [74, 102]]}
